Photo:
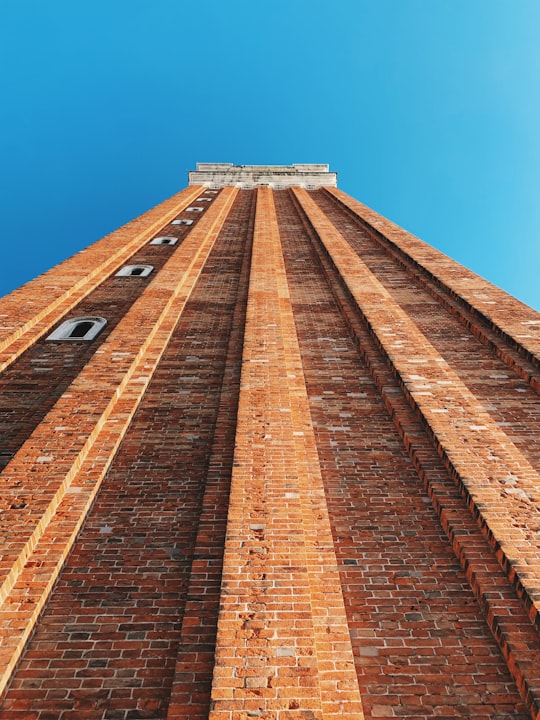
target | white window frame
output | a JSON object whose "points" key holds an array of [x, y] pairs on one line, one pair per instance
{"points": [[182, 222], [194, 208], [164, 240], [127, 271]]}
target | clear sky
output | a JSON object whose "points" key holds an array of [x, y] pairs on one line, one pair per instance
{"points": [[429, 110]]}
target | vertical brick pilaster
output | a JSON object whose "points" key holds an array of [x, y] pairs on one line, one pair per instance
{"points": [[501, 487], [29, 312], [512, 317], [283, 642], [190, 691], [52, 480]]}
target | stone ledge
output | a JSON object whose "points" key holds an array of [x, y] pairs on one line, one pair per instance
{"points": [[276, 177]]}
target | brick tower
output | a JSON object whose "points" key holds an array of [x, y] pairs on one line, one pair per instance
{"points": [[267, 455]]}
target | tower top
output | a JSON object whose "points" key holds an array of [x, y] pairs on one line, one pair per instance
{"points": [[219, 175]]}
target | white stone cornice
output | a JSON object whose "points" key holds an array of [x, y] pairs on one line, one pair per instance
{"points": [[217, 175]]}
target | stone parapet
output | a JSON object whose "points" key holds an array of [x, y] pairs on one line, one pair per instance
{"points": [[217, 175]]}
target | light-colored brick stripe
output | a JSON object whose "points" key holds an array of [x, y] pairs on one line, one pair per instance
{"points": [[502, 487], [283, 641], [30, 311], [58, 470], [514, 318], [23, 604]]}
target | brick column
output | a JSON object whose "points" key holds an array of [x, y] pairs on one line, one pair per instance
{"points": [[283, 641], [50, 483]]}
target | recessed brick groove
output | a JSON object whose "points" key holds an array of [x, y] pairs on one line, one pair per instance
{"points": [[282, 643], [190, 692], [478, 452], [32, 310], [411, 615], [514, 355], [506, 615], [491, 313], [75, 443], [33, 383], [107, 643], [511, 403]]}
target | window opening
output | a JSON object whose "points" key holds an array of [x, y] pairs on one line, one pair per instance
{"points": [[80, 329], [131, 270], [164, 240]]}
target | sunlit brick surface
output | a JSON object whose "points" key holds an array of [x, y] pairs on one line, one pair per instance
{"points": [[296, 476], [283, 641]]}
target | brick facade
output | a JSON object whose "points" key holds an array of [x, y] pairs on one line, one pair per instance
{"points": [[295, 476]]}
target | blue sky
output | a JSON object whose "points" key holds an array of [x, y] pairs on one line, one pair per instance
{"points": [[429, 110]]}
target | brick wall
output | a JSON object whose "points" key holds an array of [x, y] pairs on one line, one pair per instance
{"points": [[36, 379], [52, 480], [27, 313], [412, 615], [108, 639], [295, 476]]}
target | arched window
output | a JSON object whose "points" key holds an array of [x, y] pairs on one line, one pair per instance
{"points": [[203, 199], [164, 240], [182, 222], [81, 328], [131, 270], [194, 208]]}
